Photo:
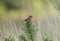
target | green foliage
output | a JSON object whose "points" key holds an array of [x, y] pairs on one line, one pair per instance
{"points": [[22, 37], [46, 39], [9, 39], [29, 29]]}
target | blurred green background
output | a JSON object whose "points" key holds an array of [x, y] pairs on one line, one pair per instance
{"points": [[27, 7]]}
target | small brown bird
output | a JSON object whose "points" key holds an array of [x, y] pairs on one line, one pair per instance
{"points": [[29, 18]]}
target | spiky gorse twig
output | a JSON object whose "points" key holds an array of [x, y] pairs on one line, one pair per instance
{"points": [[29, 29]]}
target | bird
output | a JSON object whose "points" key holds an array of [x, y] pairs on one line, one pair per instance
{"points": [[29, 18]]}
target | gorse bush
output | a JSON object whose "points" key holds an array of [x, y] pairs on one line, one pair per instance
{"points": [[22, 38], [29, 30]]}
